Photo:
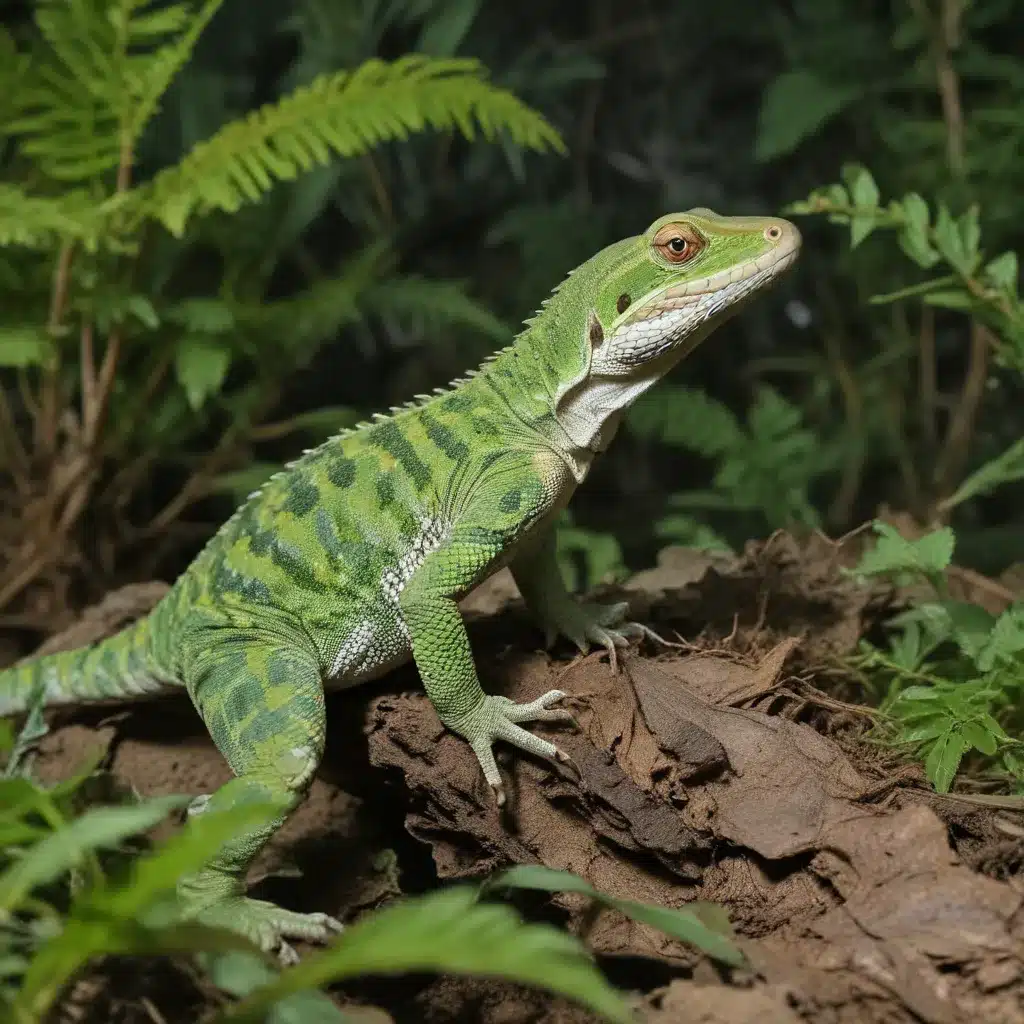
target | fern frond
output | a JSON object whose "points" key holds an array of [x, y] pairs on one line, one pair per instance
{"points": [[431, 306], [344, 113], [43, 222], [97, 78]]}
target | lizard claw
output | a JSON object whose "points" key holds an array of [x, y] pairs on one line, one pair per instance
{"points": [[588, 623], [269, 926], [498, 718]]}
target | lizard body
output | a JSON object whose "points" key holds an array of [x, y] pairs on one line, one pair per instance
{"points": [[352, 559]]}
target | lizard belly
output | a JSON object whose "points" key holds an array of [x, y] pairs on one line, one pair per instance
{"points": [[374, 646]]}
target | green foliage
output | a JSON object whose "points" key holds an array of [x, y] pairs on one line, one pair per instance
{"points": [[344, 113], [766, 467], [448, 931], [984, 287], [702, 925], [952, 673], [143, 305], [77, 882], [587, 557]]}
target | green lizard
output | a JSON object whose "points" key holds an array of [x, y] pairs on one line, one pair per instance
{"points": [[354, 557]]}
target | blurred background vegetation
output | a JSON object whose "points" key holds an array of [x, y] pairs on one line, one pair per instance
{"points": [[175, 327]]}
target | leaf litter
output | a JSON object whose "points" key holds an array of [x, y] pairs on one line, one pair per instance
{"points": [[729, 771]]}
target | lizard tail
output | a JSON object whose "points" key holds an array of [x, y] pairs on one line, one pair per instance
{"points": [[122, 667]]}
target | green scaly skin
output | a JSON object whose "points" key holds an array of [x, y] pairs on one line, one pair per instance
{"points": [[353, 559]]}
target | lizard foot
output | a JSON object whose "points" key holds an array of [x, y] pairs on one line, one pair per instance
{"points": [[589, 622], [497, 718], [267, 925]]}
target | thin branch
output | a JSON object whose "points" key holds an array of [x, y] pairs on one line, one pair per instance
{"points": [[927, 377], [944, 30], [957, 444], [48, 411]]}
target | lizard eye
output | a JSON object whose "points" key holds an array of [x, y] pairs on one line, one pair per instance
{"points": [[678, 243]]}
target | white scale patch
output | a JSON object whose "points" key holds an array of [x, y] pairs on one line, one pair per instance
{"points": [[381, 641]]}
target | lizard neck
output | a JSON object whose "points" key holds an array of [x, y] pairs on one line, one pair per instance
{"points": [[525, 383]]}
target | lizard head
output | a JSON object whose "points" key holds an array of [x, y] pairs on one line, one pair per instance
{"points": [[678, 281], [653, 298]]}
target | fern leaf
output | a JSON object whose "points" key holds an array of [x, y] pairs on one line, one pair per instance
{"points": [[429, 306], [43, 222], [344, 113], [96, 78]]}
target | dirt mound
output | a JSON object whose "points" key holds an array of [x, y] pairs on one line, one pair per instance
{"points": [[724, 770]]}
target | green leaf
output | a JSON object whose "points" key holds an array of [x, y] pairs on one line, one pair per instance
{"points": [[98, 827], [915, 209], [970, 237], [431, 306], [448, 931], [201, 365], [861, 184], [704, 925], [1005, 468], [793, 107], [155, 875], [977, 736], [860, 227], [43, 222], [916, 245], [928, 729], [443, 34], [1005, 643], [913, 236], [687, 418], [947, 237], [893, 554], [344, 113], [97, 79], [239, 974], [691, 533], [921, 288], [952, 298], [971, 626], [914, 693], [943, 760], [1003, 271], [25, 346], [203, 316]]}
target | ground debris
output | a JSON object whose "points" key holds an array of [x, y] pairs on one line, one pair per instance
{"points": [[697, 774]]}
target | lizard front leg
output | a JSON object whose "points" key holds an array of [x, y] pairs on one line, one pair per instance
{"points": [[441, 650], [539, 579]]}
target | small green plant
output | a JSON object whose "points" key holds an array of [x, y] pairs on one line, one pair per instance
{"points": [[78, 881], [764, 469], [953, 674], [983, 287]]}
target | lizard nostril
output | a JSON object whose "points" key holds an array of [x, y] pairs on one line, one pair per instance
{"points": [[773, 232]]}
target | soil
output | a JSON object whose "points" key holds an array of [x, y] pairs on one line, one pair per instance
{"points": [[735, 767]]}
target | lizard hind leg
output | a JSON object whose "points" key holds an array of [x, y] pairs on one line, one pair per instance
{"points": [[265, 711]]}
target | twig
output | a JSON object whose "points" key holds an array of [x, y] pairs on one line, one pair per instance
{"points": [[88, 371], [47, 420], [961, 428], [945, 35], [927, 379]]}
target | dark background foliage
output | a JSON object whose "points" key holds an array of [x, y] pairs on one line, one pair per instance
{"points": [[738, 105]]}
